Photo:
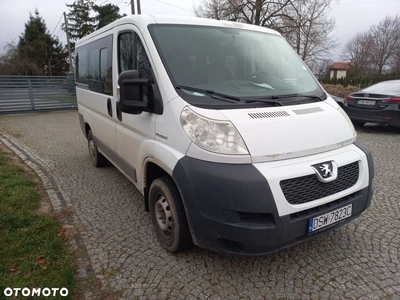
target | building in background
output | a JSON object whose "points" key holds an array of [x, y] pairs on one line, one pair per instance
{"points": [[338, 70]]}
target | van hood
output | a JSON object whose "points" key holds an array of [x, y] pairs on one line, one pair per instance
{"points": [[291, 131]]}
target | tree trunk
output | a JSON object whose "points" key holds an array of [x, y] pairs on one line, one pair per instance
{"points": [[257, 20]]}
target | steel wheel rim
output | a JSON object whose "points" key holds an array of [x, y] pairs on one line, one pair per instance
{"points": [[164, 215]]}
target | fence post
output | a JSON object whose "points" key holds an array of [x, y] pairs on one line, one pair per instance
{"points": [[31, 94]]}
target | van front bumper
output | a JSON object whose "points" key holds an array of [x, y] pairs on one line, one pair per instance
{"points": [[231, 209]]}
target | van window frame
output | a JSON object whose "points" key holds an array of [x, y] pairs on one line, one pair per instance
{"points": [[136, 39], [206, 100], [98, 45], [157, 105]]}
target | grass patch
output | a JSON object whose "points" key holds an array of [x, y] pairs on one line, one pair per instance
{"points": [[32, 253]]}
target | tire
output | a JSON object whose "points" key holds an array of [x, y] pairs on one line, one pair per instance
{"points": [[168, 216], [98, 160], [358, 123]]}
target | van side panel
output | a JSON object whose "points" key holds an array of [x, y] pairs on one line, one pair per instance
{"points": [[95, 90], [132, 133]]}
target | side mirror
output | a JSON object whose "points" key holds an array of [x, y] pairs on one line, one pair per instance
{"points": [[133, 91]]}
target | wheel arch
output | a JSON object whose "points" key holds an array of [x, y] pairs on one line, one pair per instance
{"points": [[152, 171], [86, 122], [87, 128], [161, 162]]}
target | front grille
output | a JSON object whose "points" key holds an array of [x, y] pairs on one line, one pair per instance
{"points": [[324, 208], [308, 188]]}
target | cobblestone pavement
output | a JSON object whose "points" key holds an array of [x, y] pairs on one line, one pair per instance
{"points": [[358, 261]]}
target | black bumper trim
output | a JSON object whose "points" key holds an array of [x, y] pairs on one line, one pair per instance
{"points": [[231, 209]]}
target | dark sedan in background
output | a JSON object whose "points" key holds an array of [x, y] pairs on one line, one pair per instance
{"points": [[338, 100], [379, 103]]}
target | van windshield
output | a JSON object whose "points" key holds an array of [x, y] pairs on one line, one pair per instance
{"points": [[210, 64]]}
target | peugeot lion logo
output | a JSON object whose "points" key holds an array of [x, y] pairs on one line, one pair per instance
{"points": [[326, 171]]}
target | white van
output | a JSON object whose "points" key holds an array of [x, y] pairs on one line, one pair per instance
{"points": [[224, 130]]}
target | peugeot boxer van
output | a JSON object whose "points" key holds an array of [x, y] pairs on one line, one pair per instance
{"points": [[232, 141]]}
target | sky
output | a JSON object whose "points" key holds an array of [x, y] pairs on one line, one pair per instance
{"points": [[352, 16]]}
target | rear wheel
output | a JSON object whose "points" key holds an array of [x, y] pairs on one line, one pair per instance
{"points": [[168, 216], [98, 160]]}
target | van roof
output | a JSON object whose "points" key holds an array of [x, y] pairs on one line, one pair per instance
{"points": [[142, 21]]}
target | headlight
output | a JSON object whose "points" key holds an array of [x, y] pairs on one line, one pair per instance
{"points": [[347, 119], [212, 135]]}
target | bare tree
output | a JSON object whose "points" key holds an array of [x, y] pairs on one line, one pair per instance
{"points": [[305, 23], [378, 48], [11, 63], [5, 58], [309, 30], [358, 52], [257, 12], [215, 9], [395, 61], [385, 39]]}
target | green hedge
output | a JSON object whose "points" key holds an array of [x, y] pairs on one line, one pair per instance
{"points": [[360, 82]]}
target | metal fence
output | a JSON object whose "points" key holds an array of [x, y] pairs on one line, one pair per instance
{"points": [[36, 93]]}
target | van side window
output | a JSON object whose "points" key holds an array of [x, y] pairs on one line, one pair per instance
{"points": [[94, 65], [142, 61], [125, 52], [82, 71], [143, 66], [132, 56], [105, 71]]}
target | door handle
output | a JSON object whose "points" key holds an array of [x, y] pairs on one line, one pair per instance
{"points": [[109, 107]]}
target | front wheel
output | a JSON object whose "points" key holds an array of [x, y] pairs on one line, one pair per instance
{"points": [[98, 160], [168, 216]]}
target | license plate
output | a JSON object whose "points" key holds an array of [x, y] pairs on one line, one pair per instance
{"points": [[366, 102], [329, 218]]}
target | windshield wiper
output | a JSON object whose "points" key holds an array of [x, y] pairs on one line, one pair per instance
{"points": [[311, 97], [297, 96], [284, 96], [212, 93], [276, 98], [270, 99], [264, 100]]}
